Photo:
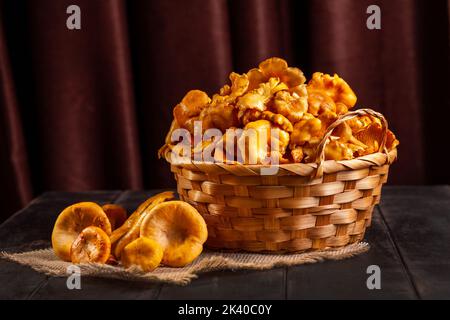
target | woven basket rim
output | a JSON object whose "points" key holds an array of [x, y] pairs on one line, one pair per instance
{"points": [[303, 169]]}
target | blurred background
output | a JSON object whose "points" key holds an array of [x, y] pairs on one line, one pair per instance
{"points": [[88, 109]]}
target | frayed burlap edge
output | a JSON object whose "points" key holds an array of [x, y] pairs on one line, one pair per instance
{"points": [[45, 261]]}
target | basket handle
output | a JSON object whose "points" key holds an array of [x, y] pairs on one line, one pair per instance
{"points": [[349, 115]]}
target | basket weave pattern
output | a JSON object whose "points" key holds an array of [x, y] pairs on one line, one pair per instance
{"points": [[303, 207]]}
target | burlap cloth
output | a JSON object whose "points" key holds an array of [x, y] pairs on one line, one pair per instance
{"points": [[45, 261]]}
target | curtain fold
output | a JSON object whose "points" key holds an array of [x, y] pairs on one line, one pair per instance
{"points": [[382, 66], [82, 102], [256, 32], [88, 109], [15, 186], [177, 46]]}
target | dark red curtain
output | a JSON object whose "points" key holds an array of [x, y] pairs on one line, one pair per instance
{"points": [[88, 109]]}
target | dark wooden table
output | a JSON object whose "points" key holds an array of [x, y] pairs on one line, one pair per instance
{"points": [[409, 237]]}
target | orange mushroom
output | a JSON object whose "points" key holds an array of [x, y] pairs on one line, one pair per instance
{"points": [[179, 229]]}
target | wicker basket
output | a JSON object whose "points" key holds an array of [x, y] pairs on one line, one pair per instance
{"points": [[303, 207]]}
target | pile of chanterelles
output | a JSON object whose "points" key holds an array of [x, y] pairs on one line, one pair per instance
{"points": [[160, 231], [275, 96]]}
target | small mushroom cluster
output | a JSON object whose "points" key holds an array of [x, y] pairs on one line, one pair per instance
{"points": [[276, 97], [159, 231]]}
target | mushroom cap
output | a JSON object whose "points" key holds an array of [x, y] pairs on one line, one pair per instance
{"points": [[179, 228], [142, 252], [72, 221], [91, 246], [116, 214]]}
